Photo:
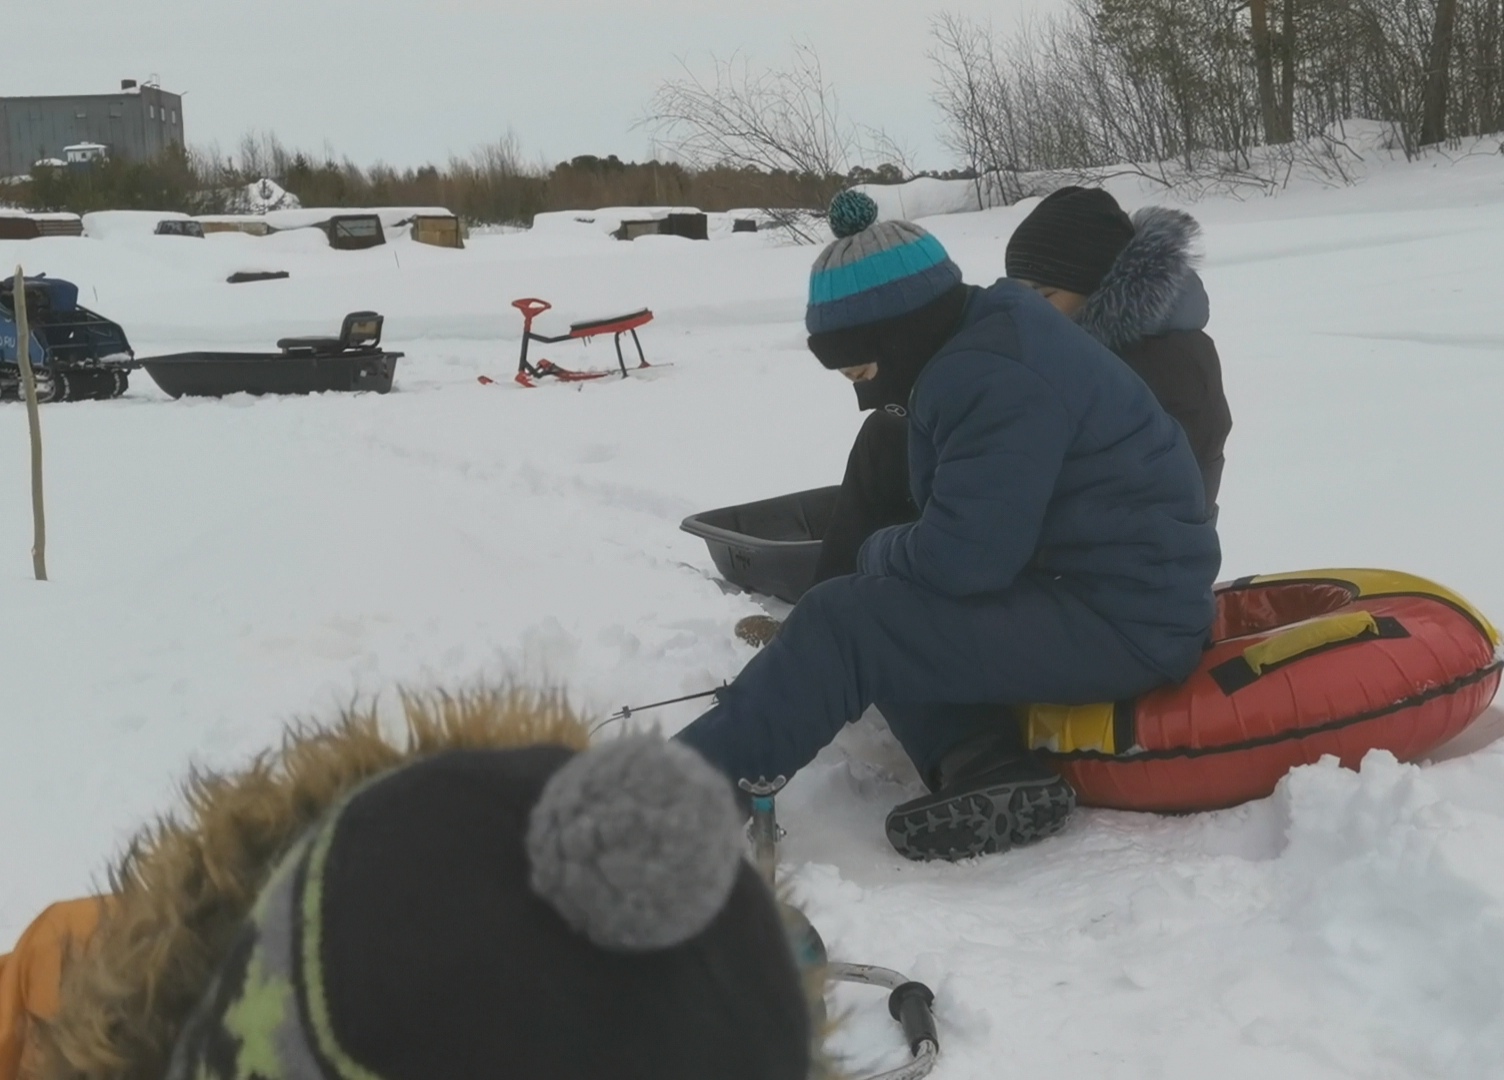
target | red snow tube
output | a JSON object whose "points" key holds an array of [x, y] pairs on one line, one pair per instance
{"points": [[1323, 662]]}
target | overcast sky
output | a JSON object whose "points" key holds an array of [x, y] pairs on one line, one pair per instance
{"points": [[407, 81]]}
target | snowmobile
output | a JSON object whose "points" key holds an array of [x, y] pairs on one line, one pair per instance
{"points": [[76, 354]]}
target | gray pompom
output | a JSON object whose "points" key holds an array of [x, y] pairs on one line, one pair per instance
{"points": [[636, 843]]}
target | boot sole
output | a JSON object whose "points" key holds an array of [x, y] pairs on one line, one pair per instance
{"points": [[981, 822]]}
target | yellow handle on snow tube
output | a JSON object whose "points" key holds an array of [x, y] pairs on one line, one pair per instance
{"points": [[1308, 637], [1067, 729], [1301, 640], [1064, 729]]}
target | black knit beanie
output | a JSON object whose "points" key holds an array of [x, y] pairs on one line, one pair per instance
{"points": [[527, 912], [1070, 240]]}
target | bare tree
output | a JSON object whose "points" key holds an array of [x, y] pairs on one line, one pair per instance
{"points": [[777, 120], [1173, 91], [1215, 93], [978, 105], [1263, 51], [1433, 127], [1287, 55]]}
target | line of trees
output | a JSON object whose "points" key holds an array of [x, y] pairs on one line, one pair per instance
{"points": [[493, 185], [1237, 89], [1225, 91], [743, 136]]}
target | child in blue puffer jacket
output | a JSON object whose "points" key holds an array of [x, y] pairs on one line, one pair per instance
{"points": [[1062, 551]]}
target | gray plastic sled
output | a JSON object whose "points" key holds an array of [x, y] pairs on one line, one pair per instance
{"points": [[771, 546]]}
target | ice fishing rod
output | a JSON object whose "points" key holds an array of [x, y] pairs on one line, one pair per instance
{"points": [[626, 712], [911, 1003]]}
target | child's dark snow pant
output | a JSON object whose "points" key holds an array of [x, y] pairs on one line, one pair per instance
{"points": [[862, 640]]}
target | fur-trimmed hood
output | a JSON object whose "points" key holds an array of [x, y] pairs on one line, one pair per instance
{"points": [[1153, 287], [186, 882], [185, 885]]}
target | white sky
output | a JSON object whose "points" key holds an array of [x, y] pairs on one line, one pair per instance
{"points": [[406, 81]]}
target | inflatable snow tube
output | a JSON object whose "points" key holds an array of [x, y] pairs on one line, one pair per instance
{"points": [[1322, 662]]}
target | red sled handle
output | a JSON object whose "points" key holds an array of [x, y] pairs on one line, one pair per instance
{"points": [[531, 307]]}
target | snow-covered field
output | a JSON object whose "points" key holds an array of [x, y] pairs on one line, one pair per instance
{"points": [[221, 567]]}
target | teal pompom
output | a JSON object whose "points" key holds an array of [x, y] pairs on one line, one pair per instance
{"points": [[851, 211]]}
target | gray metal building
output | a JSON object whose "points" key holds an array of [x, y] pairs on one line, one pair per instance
{"points": [[136, 124]]}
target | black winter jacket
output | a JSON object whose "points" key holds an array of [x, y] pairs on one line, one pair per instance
{"points": [[1151, 309]]}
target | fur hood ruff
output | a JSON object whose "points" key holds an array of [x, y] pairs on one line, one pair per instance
{"points": [[1153, 287], [185, 883]]}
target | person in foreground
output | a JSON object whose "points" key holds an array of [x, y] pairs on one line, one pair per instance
{"points": [[1062, 551], [493, 898]]}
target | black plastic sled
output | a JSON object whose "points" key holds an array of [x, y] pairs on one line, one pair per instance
{"points": [[353, 361], [771, 546]]}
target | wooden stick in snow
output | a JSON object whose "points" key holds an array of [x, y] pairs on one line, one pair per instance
{"points": [[34, 421]]}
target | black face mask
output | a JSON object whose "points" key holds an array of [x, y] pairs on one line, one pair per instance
{"points": [[891, 386], [900, 347]]}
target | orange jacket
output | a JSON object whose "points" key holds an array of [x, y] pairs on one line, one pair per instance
{"points": [[30, 976]]}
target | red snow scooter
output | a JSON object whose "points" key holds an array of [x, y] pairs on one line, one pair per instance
{"points": [[529, 373]]}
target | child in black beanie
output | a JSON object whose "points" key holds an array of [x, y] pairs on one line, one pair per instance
{"points": [[491, 896], [1131, 283]]}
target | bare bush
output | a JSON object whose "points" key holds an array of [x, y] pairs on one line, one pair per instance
{"points": [[773, 120], [1225, 94]]}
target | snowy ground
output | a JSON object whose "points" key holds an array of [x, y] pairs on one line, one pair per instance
{"points": [[219, 567]]}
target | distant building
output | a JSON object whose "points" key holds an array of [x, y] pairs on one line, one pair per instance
{"points": [[136, 124]]}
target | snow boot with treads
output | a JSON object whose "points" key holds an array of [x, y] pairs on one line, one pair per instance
{"points": [[993, 801]]}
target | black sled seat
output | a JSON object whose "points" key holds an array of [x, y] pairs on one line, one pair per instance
{"points": [[353, 361], [361, 330], [771, 546]]}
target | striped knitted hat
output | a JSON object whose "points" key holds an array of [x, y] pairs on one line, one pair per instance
{"points": [[1070, 240], [529, 912], [874, 270]]}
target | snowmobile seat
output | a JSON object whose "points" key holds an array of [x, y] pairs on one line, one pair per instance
{"points": [[361, 331]]}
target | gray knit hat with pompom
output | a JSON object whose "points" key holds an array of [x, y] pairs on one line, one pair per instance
{"points": [[873, 270], [528, 912]]}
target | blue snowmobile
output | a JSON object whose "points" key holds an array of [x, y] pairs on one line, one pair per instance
{"points": [[76, 354]]}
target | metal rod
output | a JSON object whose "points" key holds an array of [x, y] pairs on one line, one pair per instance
{"points": [[626, 711], [868, 975], [764, 829], [888, 979], [922, 1065], [908, 1001]]}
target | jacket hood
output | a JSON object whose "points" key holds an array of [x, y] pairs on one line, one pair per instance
{"points": [[1153, 287], [186, 882]]}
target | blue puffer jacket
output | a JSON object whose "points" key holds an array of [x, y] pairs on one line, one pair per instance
{"points": [[1034, 449]]}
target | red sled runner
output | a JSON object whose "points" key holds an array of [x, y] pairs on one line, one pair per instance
{"points": [[529, 373]]}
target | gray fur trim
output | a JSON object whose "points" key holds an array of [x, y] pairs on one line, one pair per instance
{"points": [[636, 843], [1139, 293]]}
